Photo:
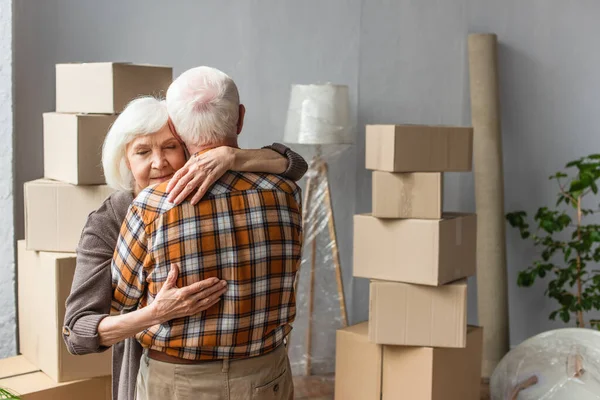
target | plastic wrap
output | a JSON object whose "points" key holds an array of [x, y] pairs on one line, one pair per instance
{"points": [[562, 364], [318, 120], [327, 312], [318, 114]]}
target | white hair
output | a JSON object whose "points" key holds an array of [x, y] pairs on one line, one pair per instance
{"points": [[142, 116], [203, 104]]}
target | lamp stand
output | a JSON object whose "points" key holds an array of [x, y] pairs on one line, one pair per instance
{"points": [[318, 172]]}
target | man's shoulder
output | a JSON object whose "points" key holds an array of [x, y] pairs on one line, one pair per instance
{"points": [[242, 181], [152, 202]]}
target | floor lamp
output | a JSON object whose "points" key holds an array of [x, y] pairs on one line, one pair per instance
{"points": [[318, 115]]}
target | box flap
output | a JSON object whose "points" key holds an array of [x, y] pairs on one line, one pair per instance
{"points": [[45, 181], [14, 366]]}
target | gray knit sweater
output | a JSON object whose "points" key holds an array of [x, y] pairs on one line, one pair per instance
{"points": [[91, 291]]}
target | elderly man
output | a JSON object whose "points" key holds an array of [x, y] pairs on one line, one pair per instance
{"points": [[246, 230]]}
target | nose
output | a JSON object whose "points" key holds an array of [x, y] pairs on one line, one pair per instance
{"points": [[158, 159]]}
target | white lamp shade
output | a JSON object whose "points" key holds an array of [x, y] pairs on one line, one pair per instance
{"points": [[318, 114]]}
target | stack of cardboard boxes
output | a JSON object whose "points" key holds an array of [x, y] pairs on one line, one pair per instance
{"points": [[416, 344], [88, 99]]}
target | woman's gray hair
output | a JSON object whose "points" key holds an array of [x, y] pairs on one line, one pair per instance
{"points": [[203, 103], [142, 116]]}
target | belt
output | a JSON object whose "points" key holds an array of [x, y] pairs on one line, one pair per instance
{"points": [[164, 357]]}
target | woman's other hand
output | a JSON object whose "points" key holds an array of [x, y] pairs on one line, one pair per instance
{"points": [[172, 302]]}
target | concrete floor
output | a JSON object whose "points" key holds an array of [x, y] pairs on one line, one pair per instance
{"points": [[321, 388]]}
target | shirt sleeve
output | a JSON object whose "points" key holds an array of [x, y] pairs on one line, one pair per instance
{"points": [[128, 265]]}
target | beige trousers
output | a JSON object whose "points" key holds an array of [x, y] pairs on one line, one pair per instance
{"points": [[258, 378]]}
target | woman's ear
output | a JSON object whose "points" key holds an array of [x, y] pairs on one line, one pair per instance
{"points": [[241, 119], [127, 161]]}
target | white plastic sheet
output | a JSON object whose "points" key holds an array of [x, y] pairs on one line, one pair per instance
{"points": [[321, 251], [562, 364]]}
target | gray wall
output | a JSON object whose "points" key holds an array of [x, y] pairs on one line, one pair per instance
{"points": [[405, 62]]}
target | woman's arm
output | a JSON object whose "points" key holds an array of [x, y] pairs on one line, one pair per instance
{"points": [[203, 170], [88, 326], [296, 164], [170, 303], [91, 290]]}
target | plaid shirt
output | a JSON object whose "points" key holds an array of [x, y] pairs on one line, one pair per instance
{"points": [[246, 230]]}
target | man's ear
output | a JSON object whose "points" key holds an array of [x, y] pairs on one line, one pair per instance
{"points": [[240, 123]]}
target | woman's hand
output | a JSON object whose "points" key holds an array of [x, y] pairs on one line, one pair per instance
{"points": [[200, 173], [172, 302]]}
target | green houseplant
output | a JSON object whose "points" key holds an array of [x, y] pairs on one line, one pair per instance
{"points": [[569, 242], [8, 395]]}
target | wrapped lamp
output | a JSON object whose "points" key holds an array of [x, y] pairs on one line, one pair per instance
{"points": [[319, 115]]}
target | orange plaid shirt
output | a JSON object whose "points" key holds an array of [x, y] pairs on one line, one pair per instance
{"points": [[246, 230]]}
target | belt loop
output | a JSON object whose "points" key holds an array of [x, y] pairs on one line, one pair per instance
{"points": [[225, 365]]}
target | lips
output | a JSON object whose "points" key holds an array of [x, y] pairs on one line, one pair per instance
{"points": [[161, 178]]}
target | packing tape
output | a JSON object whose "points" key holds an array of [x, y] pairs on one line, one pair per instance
{"points": [[408, 183]]}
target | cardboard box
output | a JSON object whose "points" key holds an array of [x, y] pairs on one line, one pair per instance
{"points": [[106, 88], [419, 148], [369, 371], [43, 287], [408, 195], [73, 147], [56, 212], [417, 315], [422, 251], [25, 379]]}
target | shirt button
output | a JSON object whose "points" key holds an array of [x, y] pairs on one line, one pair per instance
{"points": [[66, 331], [276, 388]]}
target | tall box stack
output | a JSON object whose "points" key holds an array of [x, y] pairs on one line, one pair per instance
{"points": [[417, 344], [89, 97]]}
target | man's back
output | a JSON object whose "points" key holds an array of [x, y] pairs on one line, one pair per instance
{"points": [[247, 230]]}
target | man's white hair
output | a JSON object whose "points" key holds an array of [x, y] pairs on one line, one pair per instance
{"points": [[142, 116], [203, 104]]}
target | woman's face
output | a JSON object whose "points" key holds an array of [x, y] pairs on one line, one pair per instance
{"points": [[154, 158]]}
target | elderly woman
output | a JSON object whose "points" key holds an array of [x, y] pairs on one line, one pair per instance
{"points": [[141, 150]]}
